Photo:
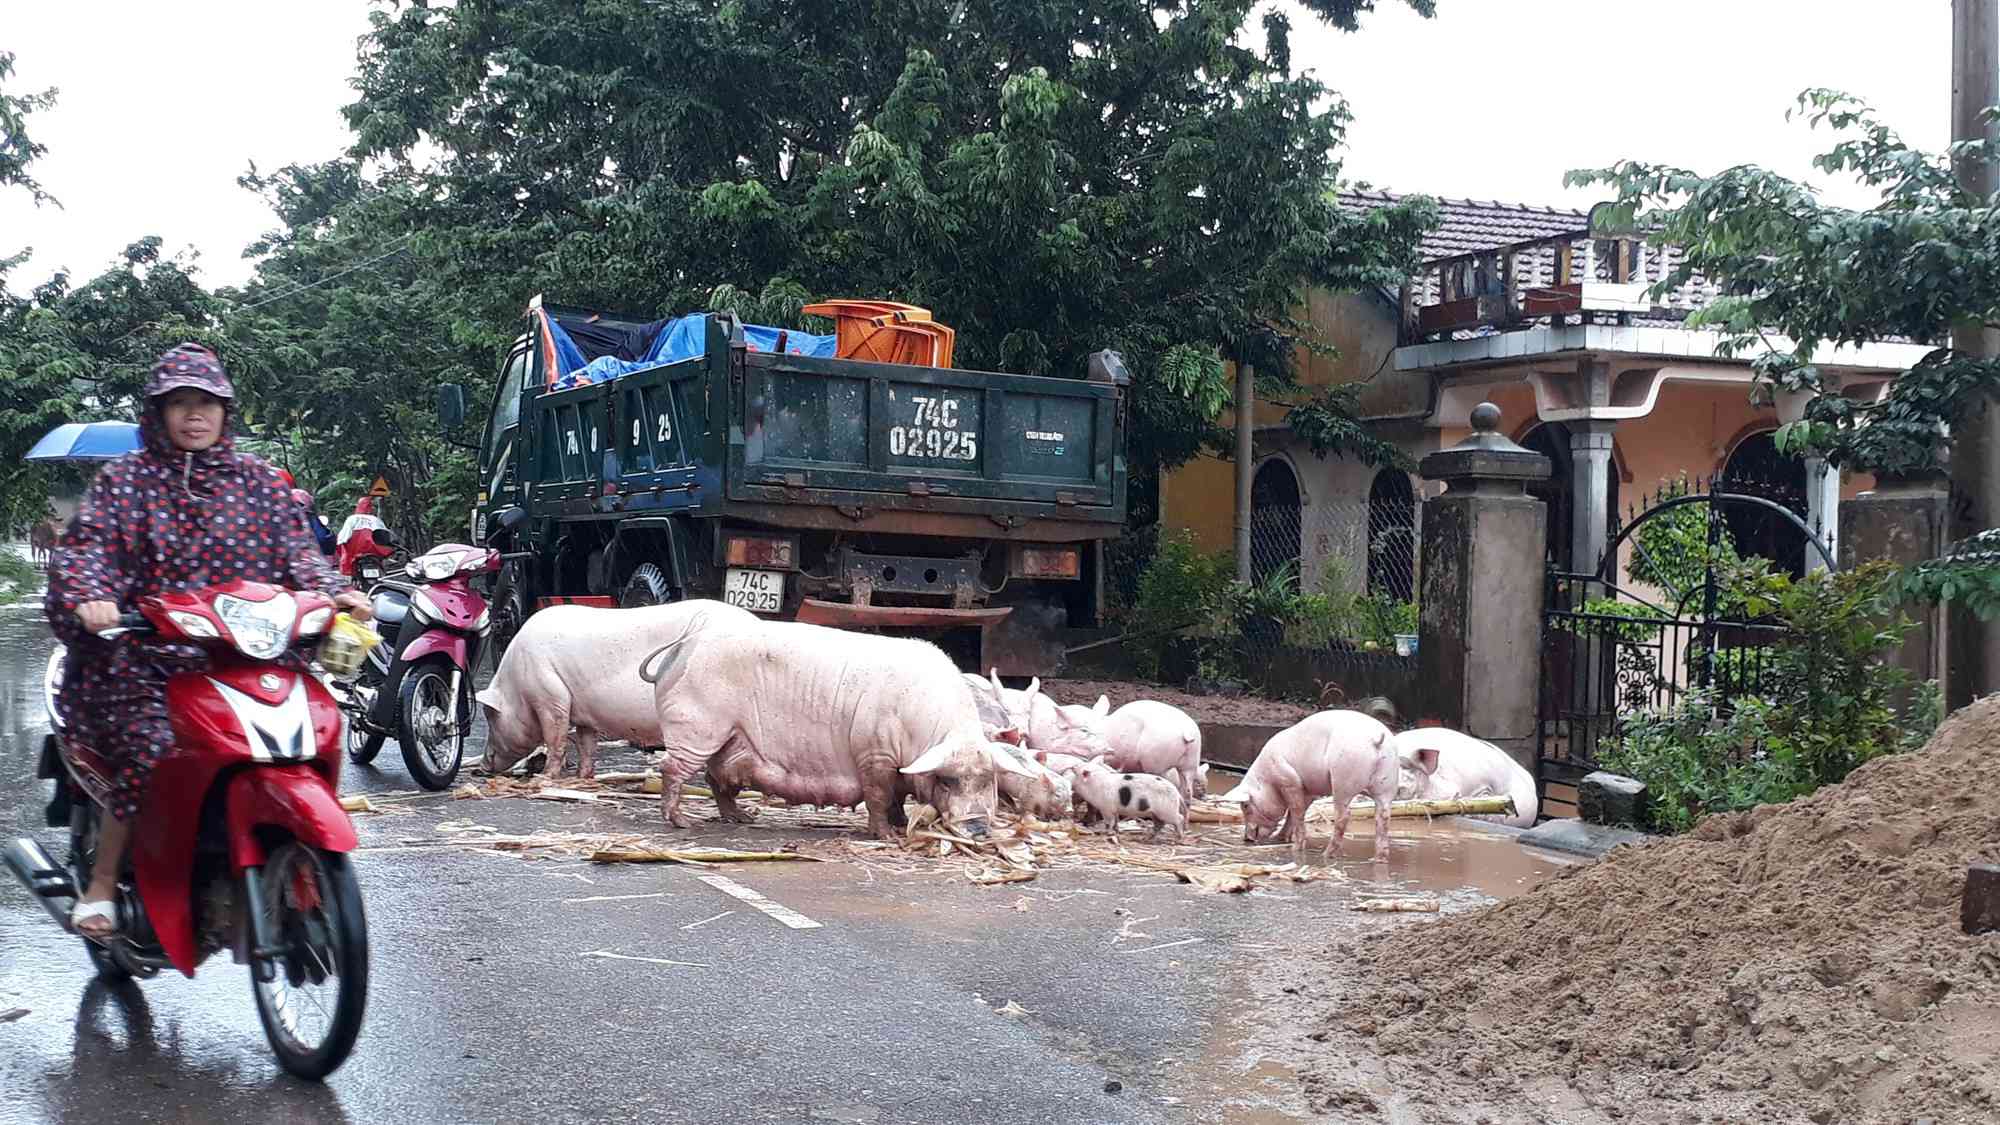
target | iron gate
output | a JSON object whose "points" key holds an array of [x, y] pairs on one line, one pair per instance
{"points": [[1612, 649]]}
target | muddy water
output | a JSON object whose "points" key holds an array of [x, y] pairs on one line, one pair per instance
{"points": [[1242, 1069]]}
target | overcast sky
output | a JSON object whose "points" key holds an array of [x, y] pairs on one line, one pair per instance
{"points": [[164, 104]]}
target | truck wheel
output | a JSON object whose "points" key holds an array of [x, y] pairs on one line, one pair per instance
{"points": [[647, 586], [510, 610]]}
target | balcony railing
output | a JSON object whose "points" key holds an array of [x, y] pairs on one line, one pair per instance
{"points": [[1531, 282]]}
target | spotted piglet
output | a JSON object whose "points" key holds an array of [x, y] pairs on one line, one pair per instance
{"points": [[1143, 796]]}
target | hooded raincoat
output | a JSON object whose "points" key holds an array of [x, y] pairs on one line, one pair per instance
{"points": [[156, 521]]}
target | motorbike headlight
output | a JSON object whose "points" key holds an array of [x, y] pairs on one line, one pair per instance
{"points": [[261, 630], [437, 568], [316, 621], [193, 624], [423, 608]]}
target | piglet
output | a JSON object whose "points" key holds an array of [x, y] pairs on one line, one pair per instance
{"points": [[1114, 795], [1147, 736], [1040, 791], [1338, 754]]}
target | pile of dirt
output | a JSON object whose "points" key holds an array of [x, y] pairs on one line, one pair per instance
{"points": [[1200, 708], [1800, 962]]}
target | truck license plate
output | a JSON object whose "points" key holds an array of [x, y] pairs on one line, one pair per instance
{"points": [[759, 591]]}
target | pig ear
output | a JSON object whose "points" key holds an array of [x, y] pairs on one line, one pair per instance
{"points": [[1103, 707], [1011, 736], [1035, 686], [1427, 761], [1236, 796], [993, 677], [1004, 760], [490, 700], [932, 759]]}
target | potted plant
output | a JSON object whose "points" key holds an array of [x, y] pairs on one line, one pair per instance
{"points": [[1263, 608]]}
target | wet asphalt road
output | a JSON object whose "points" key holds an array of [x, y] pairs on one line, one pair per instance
{"points": [[505, 988]]}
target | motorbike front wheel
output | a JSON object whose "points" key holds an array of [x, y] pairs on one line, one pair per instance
{"points": [[433, 745], [311, 1007]]}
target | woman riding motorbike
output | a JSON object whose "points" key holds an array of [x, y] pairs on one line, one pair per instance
{"points": [[184, 512]]}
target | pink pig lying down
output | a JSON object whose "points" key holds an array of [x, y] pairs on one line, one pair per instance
{"points": [[575, 666], [818, 716], [1338, 754], [1438, 764]]}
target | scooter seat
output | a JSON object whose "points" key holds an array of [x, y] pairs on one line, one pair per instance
{"points": [[391, 605]]}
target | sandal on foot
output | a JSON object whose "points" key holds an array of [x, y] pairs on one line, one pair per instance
{"points": [[105, 910]]}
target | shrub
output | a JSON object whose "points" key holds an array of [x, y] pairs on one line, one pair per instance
{"points": [[18, 577], [1181, 589], [1827, 701]]}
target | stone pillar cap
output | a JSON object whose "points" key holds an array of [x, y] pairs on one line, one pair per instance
{"points": [[1485, 454]]}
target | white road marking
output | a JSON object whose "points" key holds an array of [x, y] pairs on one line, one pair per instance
{"points": [[648, 960], [706, 921], [610, 898], [736, 890], [1169, 945]]}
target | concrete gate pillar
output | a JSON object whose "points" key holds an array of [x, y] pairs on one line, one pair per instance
{"points": [[1590, 492], [1480, 615], [1904, 522]]}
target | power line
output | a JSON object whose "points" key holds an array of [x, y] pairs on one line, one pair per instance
{"points": [[296, 290]]}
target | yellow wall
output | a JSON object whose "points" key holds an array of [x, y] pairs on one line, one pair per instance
{"points": [[1201, 496]]}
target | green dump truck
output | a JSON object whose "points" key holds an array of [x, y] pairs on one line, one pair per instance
{"points": [[632, 462]]}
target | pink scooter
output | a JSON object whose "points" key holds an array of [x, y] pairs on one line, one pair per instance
{"points": [[418, 685]]}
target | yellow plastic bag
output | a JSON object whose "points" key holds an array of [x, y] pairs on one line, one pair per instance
{"points": [[345, 646]]}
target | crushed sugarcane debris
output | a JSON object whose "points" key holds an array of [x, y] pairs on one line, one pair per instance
{"points": [[1214, 812], [358, 803], [1395, 905], [700, 857]]}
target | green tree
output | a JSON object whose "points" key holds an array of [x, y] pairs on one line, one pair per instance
{"points": [[1799, 275], [341, 341], [1050, 178], [81, 353], [17, 150]]}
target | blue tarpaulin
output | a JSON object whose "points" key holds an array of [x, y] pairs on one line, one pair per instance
{"points": [[680, 339]]}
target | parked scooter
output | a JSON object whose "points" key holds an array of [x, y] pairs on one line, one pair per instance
{"points": [[242, 843], [418, 686], [365, 549]]}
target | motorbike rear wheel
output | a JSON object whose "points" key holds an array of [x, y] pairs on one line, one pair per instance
{"points": [[433, 747], [312, 906], [362, 744]]}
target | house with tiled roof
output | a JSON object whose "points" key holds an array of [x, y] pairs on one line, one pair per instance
{"points": [[1534, 310]]}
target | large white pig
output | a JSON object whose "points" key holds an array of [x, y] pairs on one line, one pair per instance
{"points": [[1338, 754], [824, 717], [578, 666], [1059, 729], [1438, 764]]}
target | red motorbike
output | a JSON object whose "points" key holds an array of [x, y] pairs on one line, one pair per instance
{"points": [[418, 685], [241, 842]]}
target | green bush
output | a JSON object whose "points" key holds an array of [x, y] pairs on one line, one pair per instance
{"points": [[1827, 700], [18, 577], [1180, 590]]}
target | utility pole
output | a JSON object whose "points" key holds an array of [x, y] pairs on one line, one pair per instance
{"points": [[1974, 646], [1246, 421]]}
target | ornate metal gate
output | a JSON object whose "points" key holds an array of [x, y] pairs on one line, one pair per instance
{"points": [[1614, 648]]}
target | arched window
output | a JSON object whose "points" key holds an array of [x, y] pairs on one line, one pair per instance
{"points": [[1392, 536], [1275, 519], [1756, 468]]}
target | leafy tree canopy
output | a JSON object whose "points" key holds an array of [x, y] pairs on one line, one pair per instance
{"points": [[1799, 275]]}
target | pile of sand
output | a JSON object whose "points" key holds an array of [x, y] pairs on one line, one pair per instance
{"points": [[1796, 962]]}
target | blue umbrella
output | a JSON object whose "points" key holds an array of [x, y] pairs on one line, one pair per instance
{"points": [[86, 441]]}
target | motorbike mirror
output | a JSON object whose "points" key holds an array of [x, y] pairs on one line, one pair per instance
{"points": [[505, 521], [451, 406]]}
